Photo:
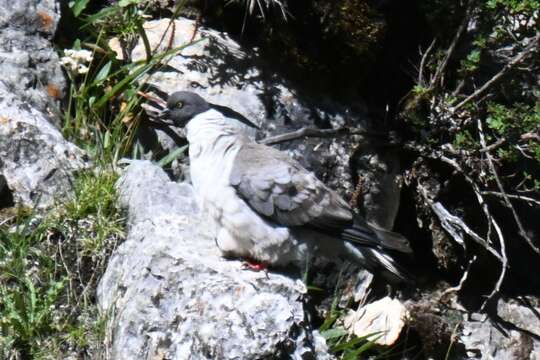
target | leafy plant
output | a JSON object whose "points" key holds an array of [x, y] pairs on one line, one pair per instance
{"points": [[104, 106], [49, 269]]}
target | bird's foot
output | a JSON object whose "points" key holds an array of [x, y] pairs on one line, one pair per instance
{"points": [[254, 266]]}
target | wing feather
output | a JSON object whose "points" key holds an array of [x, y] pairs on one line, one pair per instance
{"points": [[279, 188]]}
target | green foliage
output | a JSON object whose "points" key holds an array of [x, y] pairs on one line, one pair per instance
{"points": [[48, 265], [513, 123], [514, 6], [508, 107], [341, 343], [464, 140], [104, 106], [472, 61]]}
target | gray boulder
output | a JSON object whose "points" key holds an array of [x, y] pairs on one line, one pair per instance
{"points": [[36, 163], [171, 295], [514, 335], [28, 62]]}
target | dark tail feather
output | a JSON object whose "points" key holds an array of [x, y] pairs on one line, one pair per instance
{"points": [[378, 262], [373, 236]]}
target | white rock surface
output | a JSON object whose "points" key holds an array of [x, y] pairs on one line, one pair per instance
{"points": [[383, 319], [172, 296]]}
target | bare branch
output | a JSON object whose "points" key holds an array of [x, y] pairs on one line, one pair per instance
{"points": [[509, 204], [314, 132], [493, 146], [461, 281], [496, 226], [532, 47], [504, 265], [442, 66], [452, 224], [423, 63], [510, 196]]}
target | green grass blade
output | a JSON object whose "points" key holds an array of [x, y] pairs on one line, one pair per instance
{"points": [[102, 74], [78, 7], [137, 73], [173, 155], [333, 333]]}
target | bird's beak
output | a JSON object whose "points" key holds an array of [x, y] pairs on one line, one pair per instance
{"points": [[164, 114], [163, 118]]}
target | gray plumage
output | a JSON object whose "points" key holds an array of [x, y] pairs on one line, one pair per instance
{"points": [[268, 207]]}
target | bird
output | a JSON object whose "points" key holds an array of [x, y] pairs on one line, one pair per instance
{"points": [[268, 208]]}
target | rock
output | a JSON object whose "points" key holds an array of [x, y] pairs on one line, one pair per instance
{"points": [[224, 73], [36, 163], [515, 335], [171, 294], [382, 319], [28, 61]]}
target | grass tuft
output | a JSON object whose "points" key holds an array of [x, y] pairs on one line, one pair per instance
{"points": [[50, 267]]}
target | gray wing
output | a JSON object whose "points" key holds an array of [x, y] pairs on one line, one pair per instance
{"points": [[279, 188]]}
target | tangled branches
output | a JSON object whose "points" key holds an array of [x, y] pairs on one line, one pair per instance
{"points": [[475, 110]]}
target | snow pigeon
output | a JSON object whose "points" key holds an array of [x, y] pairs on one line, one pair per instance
{"points": [[268, 208]]}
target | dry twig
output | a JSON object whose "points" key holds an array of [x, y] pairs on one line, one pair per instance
{"points": [[496, 226], [511, 196], [451, 223], [507, 201], [314, 132], [423, 63], [442, 66], [461, 281]]}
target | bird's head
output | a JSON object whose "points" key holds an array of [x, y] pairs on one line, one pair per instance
{"points": [[182, 106]]}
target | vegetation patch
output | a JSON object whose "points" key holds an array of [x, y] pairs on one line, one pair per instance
{"points": [[50, 266]]}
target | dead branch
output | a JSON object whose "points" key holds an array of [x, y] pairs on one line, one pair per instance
{"points": [[491, 220], [314, 132], [511, 196], [507, 201], [442, 66], [496, 226], [461, 281], [423, 62], [504, 265], [532, 47], [452, 224], [493, 146]]}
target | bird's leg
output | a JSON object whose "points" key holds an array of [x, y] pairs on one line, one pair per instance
{"points": [[254, 265], [257, 266]]}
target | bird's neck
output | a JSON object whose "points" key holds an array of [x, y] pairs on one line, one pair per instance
{"points": [[211, 132], [214, 142]]}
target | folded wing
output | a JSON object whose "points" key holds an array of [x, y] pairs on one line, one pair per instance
{"points": [[280, 189]]}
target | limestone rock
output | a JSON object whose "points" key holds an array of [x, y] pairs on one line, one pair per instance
{"points": [[171, 295], [28, 61], [36, 163], [514, 336], [383, 319]]}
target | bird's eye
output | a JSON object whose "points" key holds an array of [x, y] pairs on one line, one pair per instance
{"points": [[179, 104]]}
